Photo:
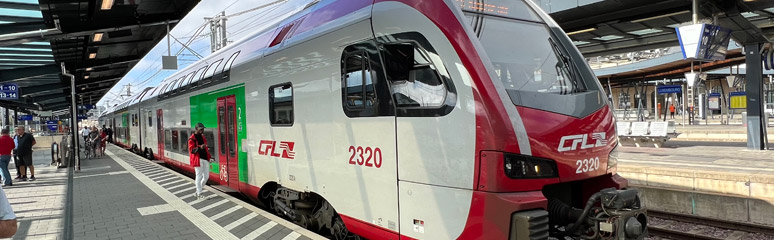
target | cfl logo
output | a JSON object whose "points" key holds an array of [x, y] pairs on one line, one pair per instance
{"points": [[269, 147], [571, 142]]}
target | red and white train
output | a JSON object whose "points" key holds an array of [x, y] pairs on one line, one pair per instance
{"points": [[402, 119]]}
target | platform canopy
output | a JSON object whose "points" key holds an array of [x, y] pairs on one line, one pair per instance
{"points": [[605, 27], [98, 41]]}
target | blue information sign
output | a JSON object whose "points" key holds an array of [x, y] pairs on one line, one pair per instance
{"points": [[667, 89], [85, 107], [9, 91], [53, 125], [81, 116], [25, 117]]}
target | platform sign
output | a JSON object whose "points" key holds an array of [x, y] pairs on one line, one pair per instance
{"points": [[25, 117], [9, 91], [669, 89], [81, 116], [713, 101], [703, 42], [86, 107], [52, 125], [738, 100]]}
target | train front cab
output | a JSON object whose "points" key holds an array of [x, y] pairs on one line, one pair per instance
{"points": [[549, 167]]}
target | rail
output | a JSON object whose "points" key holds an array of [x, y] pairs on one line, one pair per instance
{"points": [[697, 220]]}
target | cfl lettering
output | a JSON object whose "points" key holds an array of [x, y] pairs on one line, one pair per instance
{"points": [[269, 148], [571, 142]]}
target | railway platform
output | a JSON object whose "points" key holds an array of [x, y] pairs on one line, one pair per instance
{"points": [[123, 196], [720, 180]]}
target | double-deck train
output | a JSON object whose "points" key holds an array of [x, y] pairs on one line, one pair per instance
{"points": [[401, 119]]}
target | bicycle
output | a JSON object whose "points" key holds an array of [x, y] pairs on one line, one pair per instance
{"points": [[89, 148]]}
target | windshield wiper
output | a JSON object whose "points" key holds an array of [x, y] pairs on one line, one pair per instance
{"points": [[569, 67]]}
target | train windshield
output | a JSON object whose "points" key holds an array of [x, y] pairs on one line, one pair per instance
{"points": [[536, 68]]}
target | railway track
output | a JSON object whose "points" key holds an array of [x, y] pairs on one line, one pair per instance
{"points": [[678, 235], [662, 231]]}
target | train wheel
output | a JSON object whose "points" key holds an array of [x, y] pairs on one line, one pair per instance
{"points": [[266, 196], [340, 232]]}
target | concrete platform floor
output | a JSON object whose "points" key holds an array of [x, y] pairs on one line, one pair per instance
{"points": [[712, 179]]}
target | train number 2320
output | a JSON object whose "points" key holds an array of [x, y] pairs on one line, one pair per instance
{"points": [[370, 157], [587, 165]]}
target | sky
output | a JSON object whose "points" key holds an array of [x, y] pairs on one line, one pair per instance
{"points": [[147, 72]]}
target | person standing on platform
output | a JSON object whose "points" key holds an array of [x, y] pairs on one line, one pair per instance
{"points": [[85, 133], [94, 138], [200, 158], [6, 147], [102, 140], [16, 160], [110, 135], [24, 152], [8, 224], [672, 111]]}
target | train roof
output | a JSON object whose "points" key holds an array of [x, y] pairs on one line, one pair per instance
{"points": [[271, 36]]}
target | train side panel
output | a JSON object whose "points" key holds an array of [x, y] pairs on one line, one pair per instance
{"points": [[435, 154]]}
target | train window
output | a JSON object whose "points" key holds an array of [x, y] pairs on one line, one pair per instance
{"points": [[359, 87], [281, 105], [414, 80], [231, 143], [150, 119], [210, 142], [175, 139], [196, 75], [212, 69], [182, 80], [222, 128], [230, 61], [184, 141], [167, 139], [201, 76]]}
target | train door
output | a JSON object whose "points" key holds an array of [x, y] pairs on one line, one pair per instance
{"points": [[160, 130], [227, 140], [370, 144]]}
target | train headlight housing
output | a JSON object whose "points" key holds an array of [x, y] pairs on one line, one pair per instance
{"points": [[520, 167], [612, 161]]}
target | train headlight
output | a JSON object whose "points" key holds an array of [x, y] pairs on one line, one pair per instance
{"points": [[612, 161], [518, 167]]}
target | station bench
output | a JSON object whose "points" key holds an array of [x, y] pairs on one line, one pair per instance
{"points": [[645, 133]]}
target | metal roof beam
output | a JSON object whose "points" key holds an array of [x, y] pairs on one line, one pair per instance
{"points": [[100, 80], [27, 72], [8, 18], [39, 88], [56, 105], [41, 58], [27, 62], [20, 6], [623, 46], [49, 97], [21, 26], [20, 45], [24, 52], [19, 105], [110, 60]]}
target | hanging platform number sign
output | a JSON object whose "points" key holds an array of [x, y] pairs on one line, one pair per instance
{"points": [[9, 91]]}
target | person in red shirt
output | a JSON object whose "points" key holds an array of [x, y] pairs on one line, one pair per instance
{"points": [[102, 139], [200, 158], [6, 146]]}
